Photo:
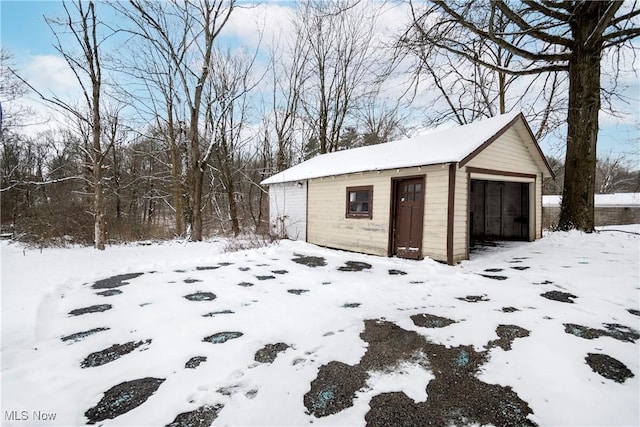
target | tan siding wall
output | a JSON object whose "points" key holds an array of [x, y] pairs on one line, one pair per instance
{"points": [[434, 238], [327, 225], [461, 208], [538, 206], [508, 153]]}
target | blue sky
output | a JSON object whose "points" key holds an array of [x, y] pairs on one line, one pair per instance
{"points": [[25, 33]]}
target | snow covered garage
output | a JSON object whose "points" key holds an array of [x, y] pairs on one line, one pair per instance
{"points": [[430, 195]]}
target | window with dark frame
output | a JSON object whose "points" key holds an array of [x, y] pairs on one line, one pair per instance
{"points": [[359, 202], [411, 192]]}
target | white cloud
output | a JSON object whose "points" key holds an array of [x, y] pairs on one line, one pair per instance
{"points": [[393, 19], [261, 24], [51, 76], [265, 23], [627, 116]]}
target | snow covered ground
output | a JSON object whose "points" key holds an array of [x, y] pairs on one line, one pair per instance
{"points": [[305, 298]]}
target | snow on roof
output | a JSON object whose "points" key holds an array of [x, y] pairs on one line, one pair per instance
{"points": [[601, 200], [439, 146]]}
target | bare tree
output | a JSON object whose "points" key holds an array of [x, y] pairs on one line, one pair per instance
{"points": [[379, 121], [613, 175], [339, 39], [187, 40], [115, 134], [554, 186], [287, 70], [15, 170], [158, 93], [12, 156], [82, 24], [227, 110], [40, 176], [12, 89], [569, 36], [466, 88], [43, 193]]}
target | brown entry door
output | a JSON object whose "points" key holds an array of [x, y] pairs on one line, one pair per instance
{"points": [[409, 209]]}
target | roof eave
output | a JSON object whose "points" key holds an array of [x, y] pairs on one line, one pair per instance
{"points": [[537, 146]]}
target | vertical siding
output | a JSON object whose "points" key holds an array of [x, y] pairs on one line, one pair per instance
{"points": [[461, 208], [508, 153], [434, 240], [538, 206], [288, 210]]}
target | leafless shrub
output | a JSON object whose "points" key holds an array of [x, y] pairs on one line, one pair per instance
{"points": [[248, 241]]}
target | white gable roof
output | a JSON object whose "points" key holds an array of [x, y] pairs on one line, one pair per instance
{"points": [[443, 146]]}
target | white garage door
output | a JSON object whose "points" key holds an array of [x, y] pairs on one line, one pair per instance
{"points": [[288, 210]]}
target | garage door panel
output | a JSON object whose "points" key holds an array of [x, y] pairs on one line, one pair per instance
{"points": [[499, 210]]}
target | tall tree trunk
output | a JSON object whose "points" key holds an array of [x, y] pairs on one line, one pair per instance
{"points": [[196, 174], [325, 146], [233, 207], [225, 160], [98, 206], [282, 156], [197, 171], [176, 173], [116, 183], [582, 132], [177, 189], [503, 92], [95, 73], [196, 209]]}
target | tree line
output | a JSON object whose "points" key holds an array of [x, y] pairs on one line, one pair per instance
{"points": [[174, 127], [614, 174]]}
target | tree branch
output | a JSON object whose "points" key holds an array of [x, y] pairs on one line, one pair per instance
{"points": [[558, 57], [619, 37], [55, 101], [522, 72], [626, 16], [604, 21], [547, 11], [48, 182], [524, 26]]}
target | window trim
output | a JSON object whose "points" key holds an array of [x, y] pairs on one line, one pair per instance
{"points": [[359, 215]]}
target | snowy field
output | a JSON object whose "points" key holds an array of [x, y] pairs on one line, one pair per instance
{"points": [[252, 337]]}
